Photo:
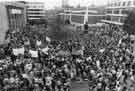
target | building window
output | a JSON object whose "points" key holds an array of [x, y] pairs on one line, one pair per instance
{"points": [[116, 11], [115, 18], [124, 3], [35, 10], [109, 12], [34, 6], [134, 2], [111, 5], [129, 3], [108, 17], [122, 19], [35, 13], [78, 19], [115, 4], [119, 4], [124, 11]]}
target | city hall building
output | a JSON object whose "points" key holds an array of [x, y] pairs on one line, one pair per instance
{"points": [[12, 17]]}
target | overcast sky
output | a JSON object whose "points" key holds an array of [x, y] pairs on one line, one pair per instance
{"points": [[49, 4]]}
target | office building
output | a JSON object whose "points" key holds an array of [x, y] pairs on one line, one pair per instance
{"points": [[117, 11], [79, 16], [12, 17], [35, 11]]}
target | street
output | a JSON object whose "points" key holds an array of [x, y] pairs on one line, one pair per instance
{"points": [[79, 86]]}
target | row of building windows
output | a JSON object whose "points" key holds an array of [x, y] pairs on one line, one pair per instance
{"points": [[36, 10], [116, 19], [118, 11], [35, 13], [91, 13], [125, 3], [78, 19], [82, 13], [34, 6], [35, 16]]}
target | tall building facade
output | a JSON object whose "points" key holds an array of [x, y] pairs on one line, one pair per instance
{"points": [[35, 11], [12, 17], [117, 11]]}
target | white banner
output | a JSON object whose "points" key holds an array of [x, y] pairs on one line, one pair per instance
{"points": [[33, 53], [48, 39], [18, 51]]}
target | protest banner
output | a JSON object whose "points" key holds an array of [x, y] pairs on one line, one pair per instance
{"points": [[18, 51], [48, 39], [33, 53]]}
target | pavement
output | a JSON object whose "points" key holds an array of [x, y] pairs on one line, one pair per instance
{"points": [[76, 86]]}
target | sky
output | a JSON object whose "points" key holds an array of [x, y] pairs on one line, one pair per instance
{"points": [[50, 4]]}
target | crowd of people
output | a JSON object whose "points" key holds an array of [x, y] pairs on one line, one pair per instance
{"points": [[33, 62], [29, 63], [111, 61]]}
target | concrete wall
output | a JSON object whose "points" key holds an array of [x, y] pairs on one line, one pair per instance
{"points": [[3, 23]]}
